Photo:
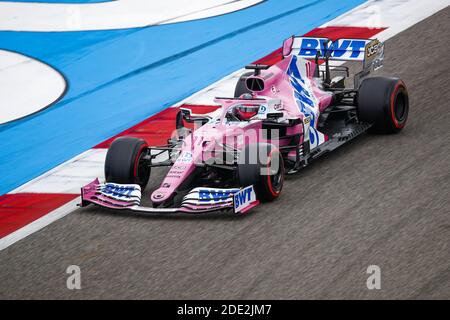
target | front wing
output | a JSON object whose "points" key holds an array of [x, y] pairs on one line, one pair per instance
{"points": [[199, 200]]}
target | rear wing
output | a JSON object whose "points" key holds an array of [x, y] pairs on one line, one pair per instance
{"points": [[369, 51]]}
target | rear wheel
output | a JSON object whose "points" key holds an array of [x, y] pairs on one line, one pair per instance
{"points": [[126, 162], [262, 166], [383, 102]]}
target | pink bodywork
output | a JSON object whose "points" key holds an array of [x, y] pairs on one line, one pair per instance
{"points": [[202, 140]]}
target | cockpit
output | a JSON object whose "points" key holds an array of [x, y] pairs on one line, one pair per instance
{"points": [[243, 112]]}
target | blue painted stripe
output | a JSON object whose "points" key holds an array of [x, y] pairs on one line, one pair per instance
{"points": [[120, 77]]}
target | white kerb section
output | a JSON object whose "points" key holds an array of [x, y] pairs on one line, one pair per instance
{"points": [[396, 15], [70, 176], [73, 174], [19, 75]]}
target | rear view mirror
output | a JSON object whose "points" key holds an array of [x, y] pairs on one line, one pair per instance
{"points": [[183, 114], [186, 113], [189, 117]]}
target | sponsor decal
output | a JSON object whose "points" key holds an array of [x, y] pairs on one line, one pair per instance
{"points": [[126, 191], [244, 198], [345, 49], [262, 109], [185, 157], [176, 172], [374, 55], [306, 120], [275, 104], [278, 106], [274, 89], [373, 47], [174, 176], [214, 195], [303, 98], [204, 195]]}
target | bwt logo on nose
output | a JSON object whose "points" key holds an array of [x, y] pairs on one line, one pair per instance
{"points": [[343, 48]]}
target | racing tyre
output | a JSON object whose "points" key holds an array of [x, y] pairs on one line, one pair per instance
{"points": [[125, 162], [241, 88], [262, 166], [383, 102]]}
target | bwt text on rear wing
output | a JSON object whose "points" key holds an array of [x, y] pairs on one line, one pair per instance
{"points": [[369, 51]]}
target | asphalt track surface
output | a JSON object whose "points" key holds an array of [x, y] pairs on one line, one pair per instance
{"points": [[380, 200]]}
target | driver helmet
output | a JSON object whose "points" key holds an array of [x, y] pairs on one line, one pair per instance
{"points": [[245, 112], [246, 96]]}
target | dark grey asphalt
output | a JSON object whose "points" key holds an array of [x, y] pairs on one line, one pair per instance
{"points": [[380, 200]]}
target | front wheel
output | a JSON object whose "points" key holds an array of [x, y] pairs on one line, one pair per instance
{"points": [[127, 162], [384, 102], [262, 166]]}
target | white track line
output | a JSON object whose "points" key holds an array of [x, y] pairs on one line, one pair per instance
{"points": [[38, 224], [396, 15], [70, 176], [119, 14]]}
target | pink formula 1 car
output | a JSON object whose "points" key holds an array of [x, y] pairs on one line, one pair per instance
{"points": [[280, 118]]}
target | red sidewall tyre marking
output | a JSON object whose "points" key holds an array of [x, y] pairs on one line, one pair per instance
{"points": [[136, 161], [269, 182], [398, 125]]}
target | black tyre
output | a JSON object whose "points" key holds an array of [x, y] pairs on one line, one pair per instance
{"points": [[241, 88], [383, 102], [262, 166], [125, 162]]}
